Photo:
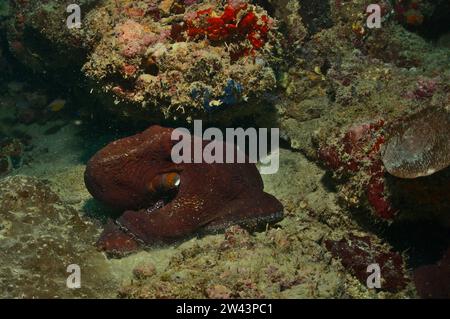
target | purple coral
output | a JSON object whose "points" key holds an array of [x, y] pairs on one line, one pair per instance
{"points": [[189, 2], [424, 89], [358, 252]]}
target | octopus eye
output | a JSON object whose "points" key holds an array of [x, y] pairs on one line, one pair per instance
{"points": [[172, 180], [164, 183]]}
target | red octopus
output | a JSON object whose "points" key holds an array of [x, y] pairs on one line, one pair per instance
{"points": [[164, 201]]}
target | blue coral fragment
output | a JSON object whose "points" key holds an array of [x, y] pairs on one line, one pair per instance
{"points": [[232, 95]]}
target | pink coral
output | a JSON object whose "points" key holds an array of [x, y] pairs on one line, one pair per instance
{"points": [[358, 145], [425, 88], [134, 39]]}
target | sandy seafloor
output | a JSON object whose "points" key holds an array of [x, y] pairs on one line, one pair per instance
{"points": [[288, 260]]}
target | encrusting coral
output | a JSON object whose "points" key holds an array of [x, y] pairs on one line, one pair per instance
{"points": [[152, 59]]}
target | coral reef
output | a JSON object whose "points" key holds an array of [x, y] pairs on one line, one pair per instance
{"points": [[369, 106], [226, 28], [345, 93], [411, 147], [411, 12], [187, 58], [157, 59], [287, 260], [356, 253], [358, 152], [347, 87], [38, 234], [164, 200], [241, 266]]}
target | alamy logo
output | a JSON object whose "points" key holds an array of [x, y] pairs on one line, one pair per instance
{"points": [[74, 19], [374, 279], [74, 279], [374, 19], [190, 148]]}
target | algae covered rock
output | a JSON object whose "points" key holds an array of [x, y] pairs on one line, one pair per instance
{"points": [[241, 265], [345, 88], [356, 253], [39, 238], [5, 9], [154, 59], [184, 60]]}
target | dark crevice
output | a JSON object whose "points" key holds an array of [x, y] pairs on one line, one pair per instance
{"points": [[316, 15], [267, 6], [436, 23]]}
